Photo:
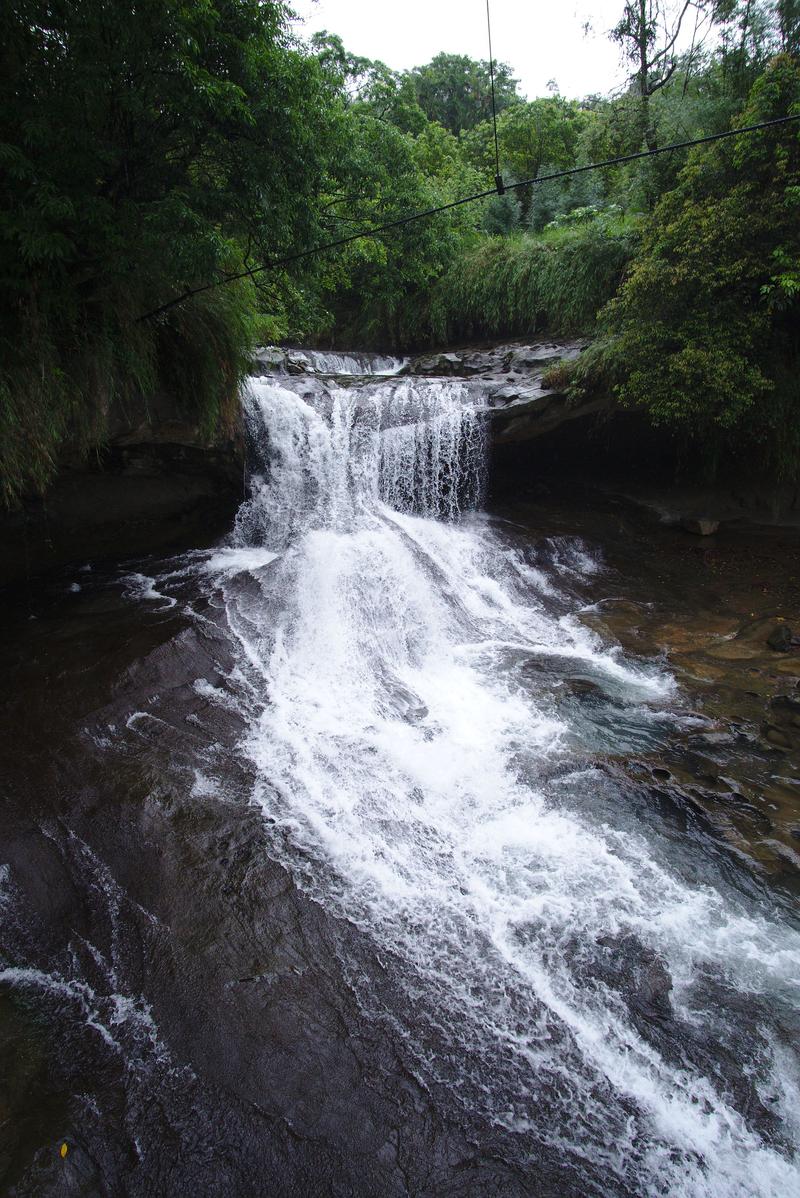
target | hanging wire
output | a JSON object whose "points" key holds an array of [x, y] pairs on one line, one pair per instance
{"points": [[498, 178], [376, 230]]}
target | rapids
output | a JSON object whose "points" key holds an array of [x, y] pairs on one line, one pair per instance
{"points": [[386, 705], [420, 780]]}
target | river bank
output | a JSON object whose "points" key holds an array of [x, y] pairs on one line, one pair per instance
{"points": [[159, 486]]}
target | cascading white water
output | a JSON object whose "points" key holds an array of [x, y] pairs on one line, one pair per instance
{"points": [[317, 361], [418, 779]]}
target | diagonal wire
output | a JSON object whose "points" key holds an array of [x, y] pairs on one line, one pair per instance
{"points": [[376, 230]]}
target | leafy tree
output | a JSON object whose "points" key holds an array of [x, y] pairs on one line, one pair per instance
{"points": [[375, 287], [704, 329], [146, 148], [456, 90], [389, 95], [530, 134], [548, 199], [502, 214], [788, 14], [649, 34]]}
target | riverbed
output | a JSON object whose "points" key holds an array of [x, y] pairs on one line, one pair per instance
{"points": [[402, 845]]}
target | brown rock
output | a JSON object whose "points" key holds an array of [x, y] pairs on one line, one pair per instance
{"points": [[780, 639], [776, 737], [700, 526]]}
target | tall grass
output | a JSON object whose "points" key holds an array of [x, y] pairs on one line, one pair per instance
{"points": [[523, 284], [63, 371]]}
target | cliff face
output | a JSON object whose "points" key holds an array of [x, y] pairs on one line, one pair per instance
{"points": [[535, 428], [541, 437], [161, 485], [158, 484]]}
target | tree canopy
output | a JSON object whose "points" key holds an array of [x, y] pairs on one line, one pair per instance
{"points": [[153, 149], [707, 321]]}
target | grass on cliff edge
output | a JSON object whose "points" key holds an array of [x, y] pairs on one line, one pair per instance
{"points": [[513, 286], [64, 371]]}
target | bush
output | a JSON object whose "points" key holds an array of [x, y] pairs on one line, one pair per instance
{"points": [[145, 150], [54, 402], [523, 284], [704, 331]]}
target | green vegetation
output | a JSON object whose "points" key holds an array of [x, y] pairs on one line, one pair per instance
{"points": [[515, 285], [704, 333], [148, 151], [145, 149]]}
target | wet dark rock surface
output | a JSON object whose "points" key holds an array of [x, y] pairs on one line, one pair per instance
{"points": [[710, 614], [515, 361], [160, 486], [186, 1026], [189, 1021], [152, 496], [214, 1044]]}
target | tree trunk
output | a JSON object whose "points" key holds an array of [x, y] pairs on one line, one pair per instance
{"points": [[647, 130]]}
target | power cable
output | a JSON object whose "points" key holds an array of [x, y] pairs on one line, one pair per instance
{"points": [[376, 230], [498, 178]]}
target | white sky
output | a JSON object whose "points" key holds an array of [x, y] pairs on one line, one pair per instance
{"points": [[540, 40]]}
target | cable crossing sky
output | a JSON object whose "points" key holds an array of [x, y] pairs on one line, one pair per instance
{"points": [[499, 189]]}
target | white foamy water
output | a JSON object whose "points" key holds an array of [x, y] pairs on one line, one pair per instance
{"points": [[564, 981], [317, 361]]}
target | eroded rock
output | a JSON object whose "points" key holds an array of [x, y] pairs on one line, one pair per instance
{"points": [[780, 639], [700, 526]]}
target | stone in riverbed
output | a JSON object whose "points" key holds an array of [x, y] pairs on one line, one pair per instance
{"points": [[780, 639], [771, 631], [776, 737], [787, 709], [781, 729], [700, 526], [626, 964]]}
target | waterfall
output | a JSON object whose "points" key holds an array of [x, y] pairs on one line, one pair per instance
{"points": [[317, 361], [569, 976]]}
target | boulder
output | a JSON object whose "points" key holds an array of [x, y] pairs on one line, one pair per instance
{"points": [[780, 639], [700, 526], [781, 729], [765, 631]]}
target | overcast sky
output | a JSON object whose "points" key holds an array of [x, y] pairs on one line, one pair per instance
{"points": [[541, 40]]}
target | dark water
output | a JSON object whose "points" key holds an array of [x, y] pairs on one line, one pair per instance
{"points": [[334, 862]]}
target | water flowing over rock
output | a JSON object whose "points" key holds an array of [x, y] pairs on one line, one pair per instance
{"points": [[318, 361], [426, 945], [406, 753]]}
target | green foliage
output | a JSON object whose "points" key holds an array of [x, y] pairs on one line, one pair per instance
{"points": [[576, 216], [375, 286], [455, 91], [146, 149], [389, 95], [530, 134], [703, 327], [514, 286], [502, 215], [149, 150], [548, 200]]}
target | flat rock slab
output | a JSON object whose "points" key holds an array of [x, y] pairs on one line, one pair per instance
{"points": [[515, 360]]}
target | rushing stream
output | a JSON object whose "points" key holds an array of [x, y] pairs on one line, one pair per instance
{"points": [[567, 977]]}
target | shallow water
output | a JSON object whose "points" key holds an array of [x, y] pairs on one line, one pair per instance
{"points": [[396, 703]]}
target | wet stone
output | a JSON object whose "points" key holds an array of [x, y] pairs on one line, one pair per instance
{"points": [[309, 1052], [780, 639], [700, 526]]}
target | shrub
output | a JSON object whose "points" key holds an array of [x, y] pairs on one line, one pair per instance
{"points": [[523, 284]]}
